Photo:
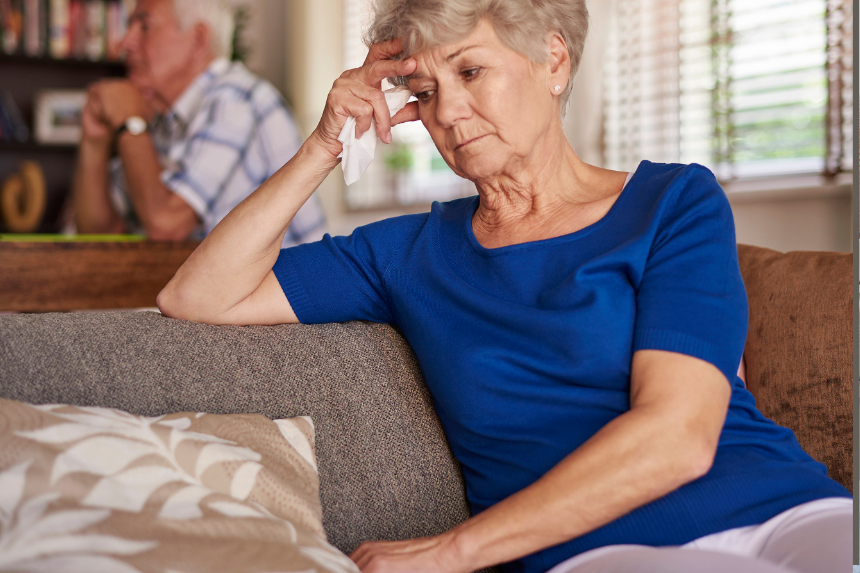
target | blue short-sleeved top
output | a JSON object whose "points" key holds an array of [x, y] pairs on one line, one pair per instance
{"points": [[527, 349]]}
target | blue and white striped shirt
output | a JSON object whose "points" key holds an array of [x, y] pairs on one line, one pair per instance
{"points": [[225, 135]]}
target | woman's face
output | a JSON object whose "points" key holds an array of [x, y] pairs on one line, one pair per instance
{"points": [[486, 106]]}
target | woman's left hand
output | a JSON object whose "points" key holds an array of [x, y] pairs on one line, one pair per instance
{"points": [[421, 555]]}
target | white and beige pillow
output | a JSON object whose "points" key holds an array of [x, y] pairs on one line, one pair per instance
{"points": [[95, 489]]}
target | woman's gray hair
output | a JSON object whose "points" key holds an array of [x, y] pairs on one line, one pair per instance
{"points": [[522, 25], [216, 14]]}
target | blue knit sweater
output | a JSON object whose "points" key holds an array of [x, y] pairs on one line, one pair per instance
{"points": [[526, 349]]}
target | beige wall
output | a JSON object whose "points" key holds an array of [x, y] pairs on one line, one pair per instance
{"points": [[796, 224], [265, 36], [314, 61]]}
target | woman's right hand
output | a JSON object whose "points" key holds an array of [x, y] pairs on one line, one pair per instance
{"points": [[358, 93]]}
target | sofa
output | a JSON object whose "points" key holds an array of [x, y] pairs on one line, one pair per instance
{"points": [[385, 471]]}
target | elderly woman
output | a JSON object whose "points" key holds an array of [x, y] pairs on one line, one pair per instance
{"points": [[579, 329]]}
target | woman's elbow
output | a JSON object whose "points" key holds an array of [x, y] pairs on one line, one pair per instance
{"points": [[177, 300], [170, 301], [165, 301], [698, 457], [701, 466]]}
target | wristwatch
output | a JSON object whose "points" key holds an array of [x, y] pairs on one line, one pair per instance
{"points": [[135, 125]]}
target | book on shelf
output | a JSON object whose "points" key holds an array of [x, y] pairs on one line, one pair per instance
{"points": [[116, 16], [95, 30], [35, 27], [76, 30], [5, 125], [58, 29], [80, 29], [11, 25], [13, 128]]}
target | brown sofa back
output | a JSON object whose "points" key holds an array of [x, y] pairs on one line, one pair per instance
{"points": [[799, 353]]}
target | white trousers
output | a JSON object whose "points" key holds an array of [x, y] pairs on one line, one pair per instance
{"points": [[814, 537]]}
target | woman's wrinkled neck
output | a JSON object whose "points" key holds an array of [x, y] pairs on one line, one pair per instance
{"points": [[554, 194], [552, 176]]}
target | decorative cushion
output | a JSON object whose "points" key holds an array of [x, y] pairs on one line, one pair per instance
{"points": [[96, 489], [799, 348]]}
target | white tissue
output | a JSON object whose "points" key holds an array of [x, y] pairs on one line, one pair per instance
{"points": [[358, 152]]}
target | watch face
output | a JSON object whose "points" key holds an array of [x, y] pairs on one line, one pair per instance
{"points": [[136, 125]]}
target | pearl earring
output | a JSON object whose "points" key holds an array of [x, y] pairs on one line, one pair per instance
{"points": [[557, 88]]}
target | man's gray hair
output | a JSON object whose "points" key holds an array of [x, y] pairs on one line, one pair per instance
{"points": [[216, 14], [522, 25]]}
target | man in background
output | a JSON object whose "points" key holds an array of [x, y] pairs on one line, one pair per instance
{"points": [[194, 133]]}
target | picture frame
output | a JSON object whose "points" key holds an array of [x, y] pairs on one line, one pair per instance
{"points": [[57, 116]]}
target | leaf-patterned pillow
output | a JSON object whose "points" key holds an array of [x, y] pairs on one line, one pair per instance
{"points": [[95, 489]]}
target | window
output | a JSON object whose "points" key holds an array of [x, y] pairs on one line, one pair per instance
{"points": [[750, 88], [410, 170]]}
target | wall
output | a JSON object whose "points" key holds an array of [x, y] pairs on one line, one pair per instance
{"points": [[266, 38], [820, 221]]}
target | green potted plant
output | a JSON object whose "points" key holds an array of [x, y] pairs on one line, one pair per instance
{"points": [[398, 161]]}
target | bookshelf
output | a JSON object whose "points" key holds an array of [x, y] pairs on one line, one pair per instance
{"points": [[45, 46], [23, 77], [33, 147]]}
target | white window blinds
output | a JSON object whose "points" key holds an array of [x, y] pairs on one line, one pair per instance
{"points": [[356, 14], [642, 95], [747, 87], [840, 81]]}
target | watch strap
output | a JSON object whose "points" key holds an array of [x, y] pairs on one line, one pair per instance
{"points": [[125, 126]]}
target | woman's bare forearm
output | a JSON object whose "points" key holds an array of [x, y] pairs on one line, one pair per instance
{"points": [[633, 460], [232, 261], [668, 438], [225, 279], [654, 448]]}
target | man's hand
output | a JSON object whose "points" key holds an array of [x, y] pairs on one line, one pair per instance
{"points": [[422, 555], [95, 130], [112, 102]]}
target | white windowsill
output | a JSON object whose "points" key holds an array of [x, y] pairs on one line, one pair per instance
{"points": [[788, 188]]}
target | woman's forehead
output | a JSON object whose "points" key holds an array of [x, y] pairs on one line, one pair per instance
{"points": [[439, 58], [418, 41], [484, 36]]}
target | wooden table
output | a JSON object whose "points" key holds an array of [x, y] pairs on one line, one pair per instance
{"points": [[64, 276]]}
